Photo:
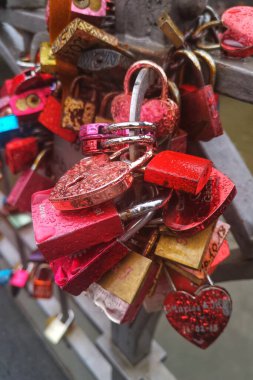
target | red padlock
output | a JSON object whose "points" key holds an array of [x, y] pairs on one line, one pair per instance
{"points": [[29, 103], [178, 171], [200, 116], [20, 153], [188, 214], [51, 118], [163, 112], [43, 282], [87, 184], [75, 274], [237, 41], [28, 183], [25, 81], [59, 234]]}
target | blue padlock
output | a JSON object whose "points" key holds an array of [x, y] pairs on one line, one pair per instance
{"points": [[9, 129], [5, 276]]}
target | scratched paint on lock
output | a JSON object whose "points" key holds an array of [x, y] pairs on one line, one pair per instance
{"points": [[60, 233]]}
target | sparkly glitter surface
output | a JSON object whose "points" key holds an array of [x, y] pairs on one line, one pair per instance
{"points": [[202, 318]]}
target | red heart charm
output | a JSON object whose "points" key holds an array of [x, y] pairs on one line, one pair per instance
{"points": [[201, 318]]}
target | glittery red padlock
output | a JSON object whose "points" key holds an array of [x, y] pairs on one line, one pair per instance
{"points": [[178, 171], [163, 112], [237, 41], [20, 153], [199, 318], [89, 184], [200, 116], [188, 214]]}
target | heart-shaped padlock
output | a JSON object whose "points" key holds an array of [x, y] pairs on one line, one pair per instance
{"points": [[163, 111], [237, 41], [199, 318], [190, 214], [88, 184]]}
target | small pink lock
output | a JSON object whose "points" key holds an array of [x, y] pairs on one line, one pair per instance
{"points": [[20, 278], [95, 8], [29, 102]]}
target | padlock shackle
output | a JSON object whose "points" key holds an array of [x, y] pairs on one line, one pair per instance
{"points": [[135, 125], [145, 207], [147, 141], [193, 59], [145, 64], [40, 158], [40, 268], [75, 89], [208, 59], [105, 101]]}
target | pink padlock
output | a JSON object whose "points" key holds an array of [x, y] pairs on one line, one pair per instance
{"points": [[20, 278], [94, 8], [30, 102]]}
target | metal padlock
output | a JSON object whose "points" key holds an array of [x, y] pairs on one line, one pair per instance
{"points": [[59, 234], [163, 112], [89, 8], [29, 103], [120, 292], [57, 329], [48, 62], [188, 214], [237, 41], [186, 251], [87, 184], [43, 282], [178, 171], [107, 64], [28, 183], [94, 135], [20, 153], [10, 85], [200, 116], [9, 129], [171, 31], [212, 252], [79, 109], [75, 274], [78, 36], [5, 276], [21, 276], [51, 118]]}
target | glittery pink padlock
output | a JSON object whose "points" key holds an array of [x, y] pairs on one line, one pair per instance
{"points": [[163, 111]]}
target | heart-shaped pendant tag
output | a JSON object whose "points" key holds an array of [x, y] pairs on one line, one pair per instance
{"points": [[201, 318]]}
